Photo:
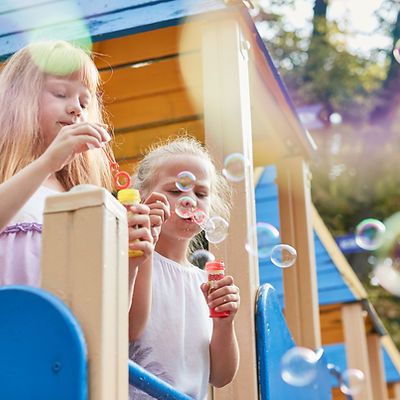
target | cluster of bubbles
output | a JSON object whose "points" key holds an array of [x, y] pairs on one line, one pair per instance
{"points": [[299, 367]]}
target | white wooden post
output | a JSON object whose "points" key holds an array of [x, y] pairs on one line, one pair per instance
{"points": [[85, 264], [356, 346], [227, 122], [300, 280]]}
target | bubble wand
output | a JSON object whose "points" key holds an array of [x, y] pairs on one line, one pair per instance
{"points": [[114, 166]]}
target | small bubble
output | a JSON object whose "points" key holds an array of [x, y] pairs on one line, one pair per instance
{"points": [[335, 118], [185, 181], [351, 381], [370, 233], [199, 217], [299, 366], [283, 255], [216, 229], [185, 206], [234, 167], [200, 257], [267, 237]]}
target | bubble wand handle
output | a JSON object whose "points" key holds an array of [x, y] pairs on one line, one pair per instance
{"points": [[114, 166]]}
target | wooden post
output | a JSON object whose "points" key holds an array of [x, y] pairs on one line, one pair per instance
{"points": [[227, 123], [378, 379], [356, 346], [85, 264], [396, 389], [300, 281]]}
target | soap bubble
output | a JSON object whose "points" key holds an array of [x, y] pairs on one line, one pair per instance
{"points": [[200, 257], [283, 255], [370, 233], [234, 167], [185, 181], [199, 217], [351, 381], [267, 237], [299, 366], [396, 51], [216, 229], [335, 118], [185, 206]]}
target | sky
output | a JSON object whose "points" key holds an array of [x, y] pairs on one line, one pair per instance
{"points": [[356, 15]]}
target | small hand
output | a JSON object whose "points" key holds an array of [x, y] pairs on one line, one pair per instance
{"points": [[74, 139], [223, 297], [159, 213], [139, 228]]}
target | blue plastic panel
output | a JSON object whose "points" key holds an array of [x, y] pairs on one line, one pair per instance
{"points": [[42, 347], [273, 340]]}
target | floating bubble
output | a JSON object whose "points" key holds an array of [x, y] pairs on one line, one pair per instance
{"points": [[200, 257], [185, 181], [216, 229], [267, 237], [370, 234], [396, 51], [234, 167], [335, 118], [299, 366], [351, 381], [283, 255], [387, 274], [199, 217], [185, 206]]}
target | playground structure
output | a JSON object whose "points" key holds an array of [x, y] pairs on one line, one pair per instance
{"points": [[199, 66]]}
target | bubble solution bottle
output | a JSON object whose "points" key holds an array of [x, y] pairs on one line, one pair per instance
{"points": [[129, 197], [215, 270]]}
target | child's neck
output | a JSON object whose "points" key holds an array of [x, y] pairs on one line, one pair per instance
{"points": [[53, 183], [175, 251]]}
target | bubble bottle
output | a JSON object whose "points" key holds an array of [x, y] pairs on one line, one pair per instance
{"points": [[129, 197], [215, 270]]}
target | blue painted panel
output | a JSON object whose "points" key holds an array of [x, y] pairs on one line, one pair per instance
{"points": [[153, 385], [42, 347], [126, 18], [336, 355], [331, 286], [273, 340]]}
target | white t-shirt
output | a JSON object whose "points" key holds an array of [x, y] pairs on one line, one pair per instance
{"points": [[175, 343]]}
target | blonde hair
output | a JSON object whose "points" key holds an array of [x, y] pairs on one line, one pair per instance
{"points": [[21, 83], [220, 190]]}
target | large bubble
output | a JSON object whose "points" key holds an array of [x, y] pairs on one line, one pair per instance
{"points": [[370, 234], [216, 229], [185, 206], [234, 167], [299, 366], [185, 181], [267, 237], [283, 255]]}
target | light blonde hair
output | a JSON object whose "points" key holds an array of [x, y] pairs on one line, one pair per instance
{"points": [[164, 152], [21, 83]]}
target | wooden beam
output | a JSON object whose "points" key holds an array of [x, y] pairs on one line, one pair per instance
{"points": [[300, 280], [227, 124], [378, 379], [85, 264], [356, 346]]}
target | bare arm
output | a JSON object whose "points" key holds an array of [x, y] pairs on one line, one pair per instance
{"points": [[224, 349], [71, 140]]}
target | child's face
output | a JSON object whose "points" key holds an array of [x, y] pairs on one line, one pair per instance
{"points": [[164, 182], [63, 101]]}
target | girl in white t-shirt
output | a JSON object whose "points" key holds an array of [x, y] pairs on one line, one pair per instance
{"points": [[180, 343]]}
